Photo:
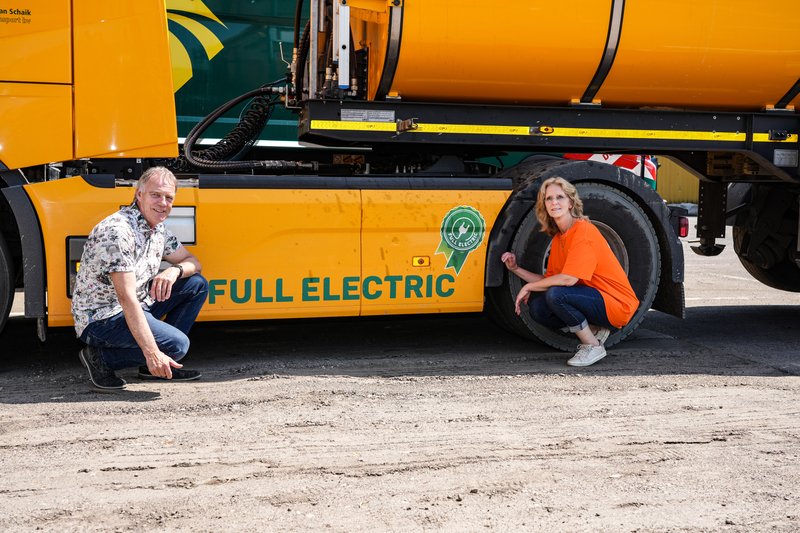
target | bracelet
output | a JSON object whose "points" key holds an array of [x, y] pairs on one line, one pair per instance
{"points": [[179, 267]]}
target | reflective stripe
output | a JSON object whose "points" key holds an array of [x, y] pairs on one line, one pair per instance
{"points": [[475, 129], [764, 138]]}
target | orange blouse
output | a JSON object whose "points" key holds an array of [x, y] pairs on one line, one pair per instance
{"points": [[583, 253]]}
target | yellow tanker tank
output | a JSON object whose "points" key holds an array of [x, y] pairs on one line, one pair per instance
{"points": [[686, 54]]}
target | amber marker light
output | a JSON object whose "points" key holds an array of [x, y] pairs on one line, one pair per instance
{"points": [[421, 261]]}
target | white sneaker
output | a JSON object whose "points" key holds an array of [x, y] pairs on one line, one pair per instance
{"points": [[587, 354], [602, 334]]}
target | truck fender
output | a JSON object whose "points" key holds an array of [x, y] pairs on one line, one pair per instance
{"points": [[33, 265]]}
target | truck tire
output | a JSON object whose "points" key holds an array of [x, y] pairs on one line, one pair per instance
{"points": [[6, 282], [630, 235], [784, 276]]}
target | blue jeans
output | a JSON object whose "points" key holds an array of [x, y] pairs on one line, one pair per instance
{"points": [[574, 307], [119, 349]]}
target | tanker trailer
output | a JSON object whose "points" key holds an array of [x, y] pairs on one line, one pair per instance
{"points": [[707, 87]]}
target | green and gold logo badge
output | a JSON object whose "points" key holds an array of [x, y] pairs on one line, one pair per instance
{"points": [[463, 229], [192, 15]]}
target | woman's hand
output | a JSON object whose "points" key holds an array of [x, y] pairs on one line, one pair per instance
{"points": [[510, 261], [522, 297]]}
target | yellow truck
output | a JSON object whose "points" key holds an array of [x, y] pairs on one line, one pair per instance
{"points": [[423, 131]]}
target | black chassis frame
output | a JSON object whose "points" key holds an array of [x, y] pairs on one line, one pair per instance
{"points": [[686, 137]]}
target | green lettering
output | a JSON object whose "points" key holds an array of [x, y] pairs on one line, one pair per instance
{"points": [[260, 298], [413, 283], [308, 289], [441, 279], [348, 287], [429, 286], [365, 288], [393, 287], [213, 291], [235, 293], [326, 290], [279, 297]]}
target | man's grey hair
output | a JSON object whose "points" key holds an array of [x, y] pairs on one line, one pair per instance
{"points": [[156, 172]]}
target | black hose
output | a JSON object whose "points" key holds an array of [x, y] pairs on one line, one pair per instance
{"points": [[297, 15], [353, 64], [326, 52], [238, 141], [302, 58]]}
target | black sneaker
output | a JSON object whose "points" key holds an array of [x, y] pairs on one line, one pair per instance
{"points": [[178, 374], [102, 376]]}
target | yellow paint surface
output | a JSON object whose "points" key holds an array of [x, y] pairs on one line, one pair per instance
{"points": [[294, 253], [35, 47], [124, 102], [24, 110]]}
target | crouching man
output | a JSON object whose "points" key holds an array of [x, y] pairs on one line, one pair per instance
{"points": [[120, 297]]}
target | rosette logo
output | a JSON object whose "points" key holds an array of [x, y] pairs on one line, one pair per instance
{"points": [[463, 229]]}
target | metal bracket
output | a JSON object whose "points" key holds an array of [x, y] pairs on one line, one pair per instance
{"points": [[406, 125], [778, 135], [711, 216], [541, 130]]}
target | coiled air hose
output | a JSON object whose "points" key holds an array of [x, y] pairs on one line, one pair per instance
{"points": [[224, 155]]}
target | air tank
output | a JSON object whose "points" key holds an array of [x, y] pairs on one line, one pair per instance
{"points": [[682, 54]]}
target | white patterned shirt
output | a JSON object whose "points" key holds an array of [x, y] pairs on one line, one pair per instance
{"points": [[123, 242]]}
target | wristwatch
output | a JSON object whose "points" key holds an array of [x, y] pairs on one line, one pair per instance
{"points": [[179, 268]]}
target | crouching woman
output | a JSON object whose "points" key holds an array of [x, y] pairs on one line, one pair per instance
{"points": [[585, 288]]}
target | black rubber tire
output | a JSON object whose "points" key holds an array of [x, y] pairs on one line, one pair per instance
{"points": [[784, 276], [6, 282], [630, 234]]}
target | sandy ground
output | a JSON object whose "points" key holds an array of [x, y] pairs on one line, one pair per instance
{"points": [[420, 424]]}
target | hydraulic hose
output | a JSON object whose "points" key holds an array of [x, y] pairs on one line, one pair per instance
{"points": [[238, 140], [302, 58], [297, 15]]}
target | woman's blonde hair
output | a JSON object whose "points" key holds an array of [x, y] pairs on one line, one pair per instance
{"points": [[549, 225]]}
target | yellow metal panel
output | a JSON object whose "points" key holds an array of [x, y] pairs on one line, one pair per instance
{"points": [[704, 54], [266, 253], [69, 207], [515, 52], [402, 226], [676, 185], [35, 41], [37, 124], [295, 253], [124, 103], [279, 253]]}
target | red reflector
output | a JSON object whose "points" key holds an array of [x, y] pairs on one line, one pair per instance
{"points": [[684, 227]]}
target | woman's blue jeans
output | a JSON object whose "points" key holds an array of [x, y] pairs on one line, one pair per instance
{"points": [[119, 349], [573, 307]]}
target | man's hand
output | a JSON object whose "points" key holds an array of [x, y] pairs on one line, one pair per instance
{"points": [[159, 365], [161, 288]]}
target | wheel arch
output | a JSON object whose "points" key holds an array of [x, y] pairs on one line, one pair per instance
{"points": [[528, 176], [20, 219]]}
